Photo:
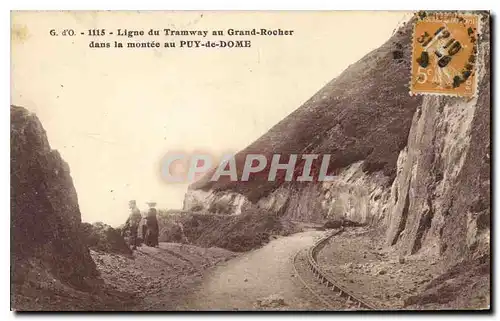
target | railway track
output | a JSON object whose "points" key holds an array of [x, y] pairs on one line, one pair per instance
{"points": [[336, 295]]}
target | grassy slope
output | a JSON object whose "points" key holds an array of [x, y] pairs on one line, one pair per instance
{"points": [[364, 114]]}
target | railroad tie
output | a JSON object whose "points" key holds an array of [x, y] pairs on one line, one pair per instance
{"points": [[319, 274]]}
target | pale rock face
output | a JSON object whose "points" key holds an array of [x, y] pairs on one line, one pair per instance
{"points": [[353, 195], [435, 200], [275, 202], [303, 204], [434, 164], [213, 202], [357, 196], [437, 145]]}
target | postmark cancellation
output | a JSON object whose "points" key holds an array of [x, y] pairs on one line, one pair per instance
{"points": [[444, 54]]}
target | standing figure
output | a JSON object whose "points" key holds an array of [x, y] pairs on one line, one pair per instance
{"points": [[144, 228], [184, 239], [152, 224], [132, 223]]}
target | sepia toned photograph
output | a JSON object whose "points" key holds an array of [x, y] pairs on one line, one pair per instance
{"points": [[197, 161]]}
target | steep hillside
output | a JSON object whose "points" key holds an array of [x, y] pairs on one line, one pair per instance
{"points": [[363, 114], [362, 118], [236, 233], [415, 167]]}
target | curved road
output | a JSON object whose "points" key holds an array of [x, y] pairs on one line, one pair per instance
{"points": [[239, 283]]}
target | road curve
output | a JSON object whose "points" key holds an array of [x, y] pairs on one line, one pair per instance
{"points": [[239, 283]]}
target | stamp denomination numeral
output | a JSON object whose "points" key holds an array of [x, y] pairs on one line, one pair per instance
{"points": [[422, 75]]}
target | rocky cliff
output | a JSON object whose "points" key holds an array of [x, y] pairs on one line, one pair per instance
{"points": [[362, 115], [362, 118], [440, 200], [416, 166], [45, 217]]}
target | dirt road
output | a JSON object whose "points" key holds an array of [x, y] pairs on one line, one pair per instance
{"points": [[158, 277], [186, 277], [261, 279]]}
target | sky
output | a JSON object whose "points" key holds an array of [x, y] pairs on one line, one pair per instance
{"points": [[113, 114]]}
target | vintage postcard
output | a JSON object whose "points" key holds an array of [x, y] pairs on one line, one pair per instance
{"points": [[250, 161]]}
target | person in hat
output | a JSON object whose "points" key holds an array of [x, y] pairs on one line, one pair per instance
{"points": [[132, 223], [152, 224]]}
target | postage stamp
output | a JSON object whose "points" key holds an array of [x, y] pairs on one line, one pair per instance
{"points": [[444, 54]]}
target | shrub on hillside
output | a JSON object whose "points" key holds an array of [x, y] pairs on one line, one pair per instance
{"points": [[102, 237]]}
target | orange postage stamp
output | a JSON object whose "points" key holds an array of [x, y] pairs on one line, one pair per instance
{"points": [[444, 54]]}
